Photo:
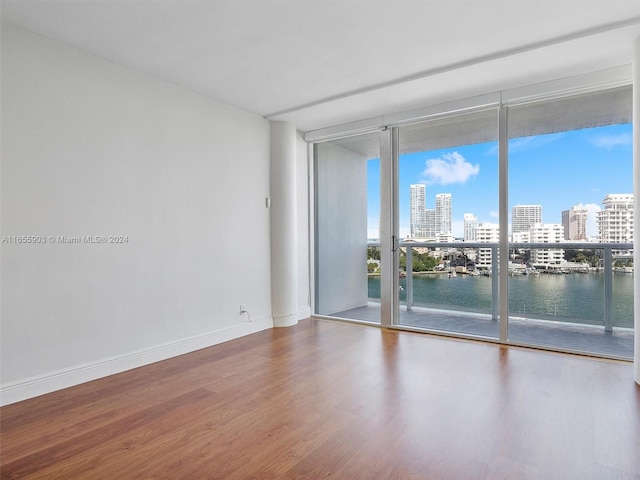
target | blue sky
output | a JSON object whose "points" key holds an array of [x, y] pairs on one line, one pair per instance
{"points": [[556, 170]]}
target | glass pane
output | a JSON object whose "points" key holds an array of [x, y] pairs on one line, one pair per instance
{"points": [[347, 174], [571, 184], [448, 202]]}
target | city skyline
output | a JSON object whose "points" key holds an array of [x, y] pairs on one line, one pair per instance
{"points": [[614, 222], [556, 171]]}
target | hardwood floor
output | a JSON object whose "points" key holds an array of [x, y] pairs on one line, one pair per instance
{"points": [[328, 399]]}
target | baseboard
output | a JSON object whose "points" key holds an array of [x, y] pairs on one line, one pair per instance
{"points": [[303, 312], [36, 386]]}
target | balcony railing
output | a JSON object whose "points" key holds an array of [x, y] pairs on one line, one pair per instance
{"points": [[459, 245], [579, 314], [606, 267]]}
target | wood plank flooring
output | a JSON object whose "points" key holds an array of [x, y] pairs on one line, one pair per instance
{"points": [[335, 400]]}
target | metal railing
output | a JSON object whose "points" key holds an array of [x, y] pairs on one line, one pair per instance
{"points": [[495, 305], [606, 266]]}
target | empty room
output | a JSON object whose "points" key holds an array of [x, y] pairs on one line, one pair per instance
{"points": [[304, 239]]}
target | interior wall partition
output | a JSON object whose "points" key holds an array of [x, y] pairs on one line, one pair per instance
{"points": [[347, 212]]}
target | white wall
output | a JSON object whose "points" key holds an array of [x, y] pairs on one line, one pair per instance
{"points": [[92, 148], [341, 232], [302, 173]]}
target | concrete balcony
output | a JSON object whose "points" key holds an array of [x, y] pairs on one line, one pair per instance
{"points": [[597, 320], [555, 335]]}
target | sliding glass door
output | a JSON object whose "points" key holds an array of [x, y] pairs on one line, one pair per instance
{"points": [[510, 221], [571, 211], [448, 207]]}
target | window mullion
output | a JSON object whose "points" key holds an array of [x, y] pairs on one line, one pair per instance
{"points": [[503, 209]]}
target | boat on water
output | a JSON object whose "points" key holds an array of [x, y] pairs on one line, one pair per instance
{"points": [[623, 269]]}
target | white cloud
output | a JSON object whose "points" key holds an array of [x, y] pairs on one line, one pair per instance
{"points": [[610, 141], [450, 168]]}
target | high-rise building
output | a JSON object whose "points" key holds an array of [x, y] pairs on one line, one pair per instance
{"points": [[615, 221], [427, 223], [565, 223], [574, 222], [470, 225], [443, 213], [523, 217], [429, 227], [417, 207]]}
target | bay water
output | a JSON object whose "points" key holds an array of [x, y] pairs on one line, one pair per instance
{"points": [[577, 298]]}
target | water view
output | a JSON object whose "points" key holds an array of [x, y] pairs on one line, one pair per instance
{"points": [[576, 298]]}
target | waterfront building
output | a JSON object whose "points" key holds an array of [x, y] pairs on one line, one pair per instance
{"points": [[521, 237], [546, 233], [523, 217], [443, 213], [470, 225], [574, 223], [615, 221], [445, 238], [486, 233]]}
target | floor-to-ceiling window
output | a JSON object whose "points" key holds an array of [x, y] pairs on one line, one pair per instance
{"points": [[567, 165], [448, 208], [571, 184]]}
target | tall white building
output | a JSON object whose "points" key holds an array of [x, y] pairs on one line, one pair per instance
{"points": [[615, 221], [443, 213], [574, 222], [470, 225], [546, 233], [521, 237], [486, 233], [426, 223], [523, 217], [429, 226], [417, 206]]}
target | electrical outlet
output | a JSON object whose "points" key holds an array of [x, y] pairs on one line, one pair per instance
{"points": [[243, 309]]}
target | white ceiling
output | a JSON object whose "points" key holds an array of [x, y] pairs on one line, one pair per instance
{"points": [[319, 63]]}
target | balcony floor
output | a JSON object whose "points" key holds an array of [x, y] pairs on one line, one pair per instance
{"points": [[530, 331]]}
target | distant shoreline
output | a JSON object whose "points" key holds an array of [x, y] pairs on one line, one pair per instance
{"points": [[419, 274]]}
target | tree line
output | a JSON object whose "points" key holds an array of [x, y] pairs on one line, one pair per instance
{"points": [[424, 262], [421, 262]]}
